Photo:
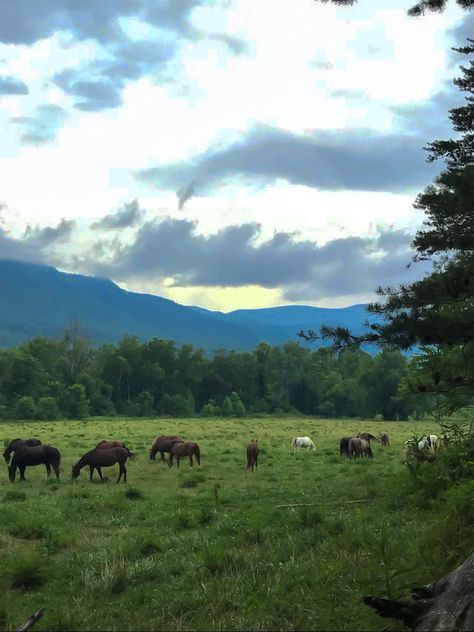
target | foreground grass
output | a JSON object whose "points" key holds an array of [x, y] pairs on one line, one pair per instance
{"points": [[293, 546]]}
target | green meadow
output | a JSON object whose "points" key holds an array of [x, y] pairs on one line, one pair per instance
{"points": [[293, 546]]}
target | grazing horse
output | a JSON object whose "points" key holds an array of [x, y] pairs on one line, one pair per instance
{"points": [[427, 443], [367, 437], [105, 445], [15, 444], [344, 446], [384, 439], [252, 454], [359, 447], [34, 455], [303, 442], [163, 444], [99, 458], [184, 448]]}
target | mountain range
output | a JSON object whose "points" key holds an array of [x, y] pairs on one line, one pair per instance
{"points": [[39, 300]]}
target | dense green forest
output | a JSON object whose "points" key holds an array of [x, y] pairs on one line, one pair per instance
{"points": [[49, 378]]}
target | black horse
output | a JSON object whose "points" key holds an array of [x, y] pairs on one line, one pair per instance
{"points": [[34, 455], [15, 444]]}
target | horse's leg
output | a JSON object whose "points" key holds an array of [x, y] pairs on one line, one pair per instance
{"points": [[99, 470], [48, 469], [56, 469], [124, 473], [191, 459], [162, 457], [170, 460], [178, 459], [22, 469], [91, 471]]}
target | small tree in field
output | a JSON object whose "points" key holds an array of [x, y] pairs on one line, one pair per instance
{"points": [[227, 408], [238, 408]]}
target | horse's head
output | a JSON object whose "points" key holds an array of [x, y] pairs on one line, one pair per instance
{"points": [[7, 455], [76, 470]]}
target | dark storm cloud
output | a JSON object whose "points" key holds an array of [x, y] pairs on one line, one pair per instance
{"points": [[19, 249], [43, 237], [234, 257], [130, 215], [10, 85], [328, 159], [43, 126]]}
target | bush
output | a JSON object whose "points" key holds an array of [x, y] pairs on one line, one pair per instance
{"points": [[210, 409], [48, 408], [181, 406], [25, 408], [78, 406], [227, 409], [238, 407]]}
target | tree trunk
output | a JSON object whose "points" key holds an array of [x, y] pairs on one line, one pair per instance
{"points": [[446, 605]]}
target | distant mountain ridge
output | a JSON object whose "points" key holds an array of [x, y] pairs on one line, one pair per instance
{"points": [[38, 300]]}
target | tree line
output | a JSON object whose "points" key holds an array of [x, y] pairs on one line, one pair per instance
{"points": [[47, 378]]}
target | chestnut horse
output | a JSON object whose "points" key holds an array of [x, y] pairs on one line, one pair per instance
{"points": [[384, 439], [34, 455], [163, 444], [105, 445], [98, 458], [252, 454], [185, 448], [15, 444]]}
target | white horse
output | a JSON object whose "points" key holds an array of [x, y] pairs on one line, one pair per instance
{"points": [[303, 442], [428, 443]]}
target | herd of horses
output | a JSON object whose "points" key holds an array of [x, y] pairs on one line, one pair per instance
{"points": [[30, 452]]}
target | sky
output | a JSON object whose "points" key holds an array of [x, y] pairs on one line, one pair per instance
{"points": [[223, 153]]}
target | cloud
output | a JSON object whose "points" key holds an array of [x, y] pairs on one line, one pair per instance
{"points": [[44, 237], [18, 249], [331, 160], [128, 216], [10, 85], [348, 93], [43, 127], [235, 256], [97, 84]]}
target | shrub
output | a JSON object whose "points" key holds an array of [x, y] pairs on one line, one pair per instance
{"points": [[227, 408], [181, 406], [238, 408], [48, 408], [25, 408]]}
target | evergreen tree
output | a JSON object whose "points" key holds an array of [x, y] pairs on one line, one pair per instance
{"points": [[226, 408], [436, 313], [78, 406], [238, 408], [25, 408]]}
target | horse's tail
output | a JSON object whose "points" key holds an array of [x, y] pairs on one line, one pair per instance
{"points": [[131, 455], [197, 452]]}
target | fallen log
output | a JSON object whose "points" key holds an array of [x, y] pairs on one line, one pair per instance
{"points": [[444, 606], [31, 621]]}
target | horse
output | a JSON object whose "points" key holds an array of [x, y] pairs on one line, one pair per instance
{"points": [[184, 448], [34, 455], [367, 437], [105, 445], [384, 439], [303, 442], [98, 458], [427, 443], [359, 447], [344, 446], [252, 454], [15, 444], [163, 444]]}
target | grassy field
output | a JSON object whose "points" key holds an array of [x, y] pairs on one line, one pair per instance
{"points": [[293, 546]]}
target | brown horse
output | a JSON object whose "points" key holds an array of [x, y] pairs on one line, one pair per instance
{"points": [[163, 444], [105, 445], [359, 447], [252, 454], [384, 439], [185, 448], [34, 455], [98, 458], [367, 436], [15, 444]]}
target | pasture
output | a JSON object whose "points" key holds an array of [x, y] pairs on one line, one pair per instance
{"points": [[293, 545]]}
